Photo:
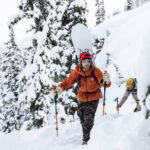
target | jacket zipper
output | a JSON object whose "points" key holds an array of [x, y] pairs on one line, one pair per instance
{"points": [[86, 86]]}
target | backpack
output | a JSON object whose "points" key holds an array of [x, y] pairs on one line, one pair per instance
{"points": [[92, 75]]}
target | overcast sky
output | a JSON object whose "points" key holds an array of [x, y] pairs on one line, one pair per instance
{"points": [[8, 8]]}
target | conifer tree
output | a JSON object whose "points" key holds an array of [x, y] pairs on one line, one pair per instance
{"points": [[100, 17], [129, 5], [46, 60], [12, 64], [100, 11], [73, 14], [38, 82], [34, 80]]}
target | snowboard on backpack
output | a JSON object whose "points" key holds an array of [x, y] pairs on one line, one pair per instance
{"points": [[81, 39]]}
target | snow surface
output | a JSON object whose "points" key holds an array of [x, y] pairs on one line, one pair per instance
{"points": [[112, 132], [128, 44], [128, 39]]}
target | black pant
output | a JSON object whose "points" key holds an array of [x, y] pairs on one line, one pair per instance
{"points": [[86, 112]]}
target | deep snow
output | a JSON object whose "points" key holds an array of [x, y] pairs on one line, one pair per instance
{"points": [[128, 39]]}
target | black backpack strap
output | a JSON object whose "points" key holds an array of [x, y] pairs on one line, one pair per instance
{"points": [[79, 79], [95, 78]]}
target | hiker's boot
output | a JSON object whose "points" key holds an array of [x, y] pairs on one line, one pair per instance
{"points": [[137, 108], [84, 143]]}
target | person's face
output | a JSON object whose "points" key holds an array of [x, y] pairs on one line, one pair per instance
{"points": [[130, 88], [86, 63]]}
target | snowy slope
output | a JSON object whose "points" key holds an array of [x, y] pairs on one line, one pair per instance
{"points": [[128, 39], [112, 132], [128, 44]]}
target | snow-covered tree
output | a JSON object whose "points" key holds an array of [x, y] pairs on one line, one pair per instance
{"points": [[100, 17], [38, 81], [116, 12], [129, 5], [34, 79], [74, 13], [100, 11], [42, 62], [11, 65]]}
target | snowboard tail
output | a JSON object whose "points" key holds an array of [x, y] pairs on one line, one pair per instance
{"points": [[81, 39]]}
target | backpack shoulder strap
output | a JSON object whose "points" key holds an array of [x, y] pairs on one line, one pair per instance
{"points": [[79, 77], [95, 78], [93, 75]]}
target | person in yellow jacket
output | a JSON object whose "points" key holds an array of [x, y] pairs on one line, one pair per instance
{"points": [[131, 88]]}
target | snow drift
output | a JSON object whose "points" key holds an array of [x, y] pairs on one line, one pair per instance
{"points": [[128, 44]]}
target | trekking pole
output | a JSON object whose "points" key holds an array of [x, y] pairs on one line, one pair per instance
{"points": [[117, 105], [56, 114], [116, 100], [104, 98]]}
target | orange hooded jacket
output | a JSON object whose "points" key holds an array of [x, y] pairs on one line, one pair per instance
{"points": [[88, 89]]}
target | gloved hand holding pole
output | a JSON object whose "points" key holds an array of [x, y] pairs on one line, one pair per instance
{"points": [[117, 107], [55, 91], [106, 80]]}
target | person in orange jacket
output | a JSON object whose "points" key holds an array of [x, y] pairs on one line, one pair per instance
{"points": [[90, 79]]}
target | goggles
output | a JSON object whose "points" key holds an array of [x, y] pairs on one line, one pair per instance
{"points": [[86, 60]]}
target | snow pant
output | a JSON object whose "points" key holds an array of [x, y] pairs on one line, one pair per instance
{"points": [[86, 112]]}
